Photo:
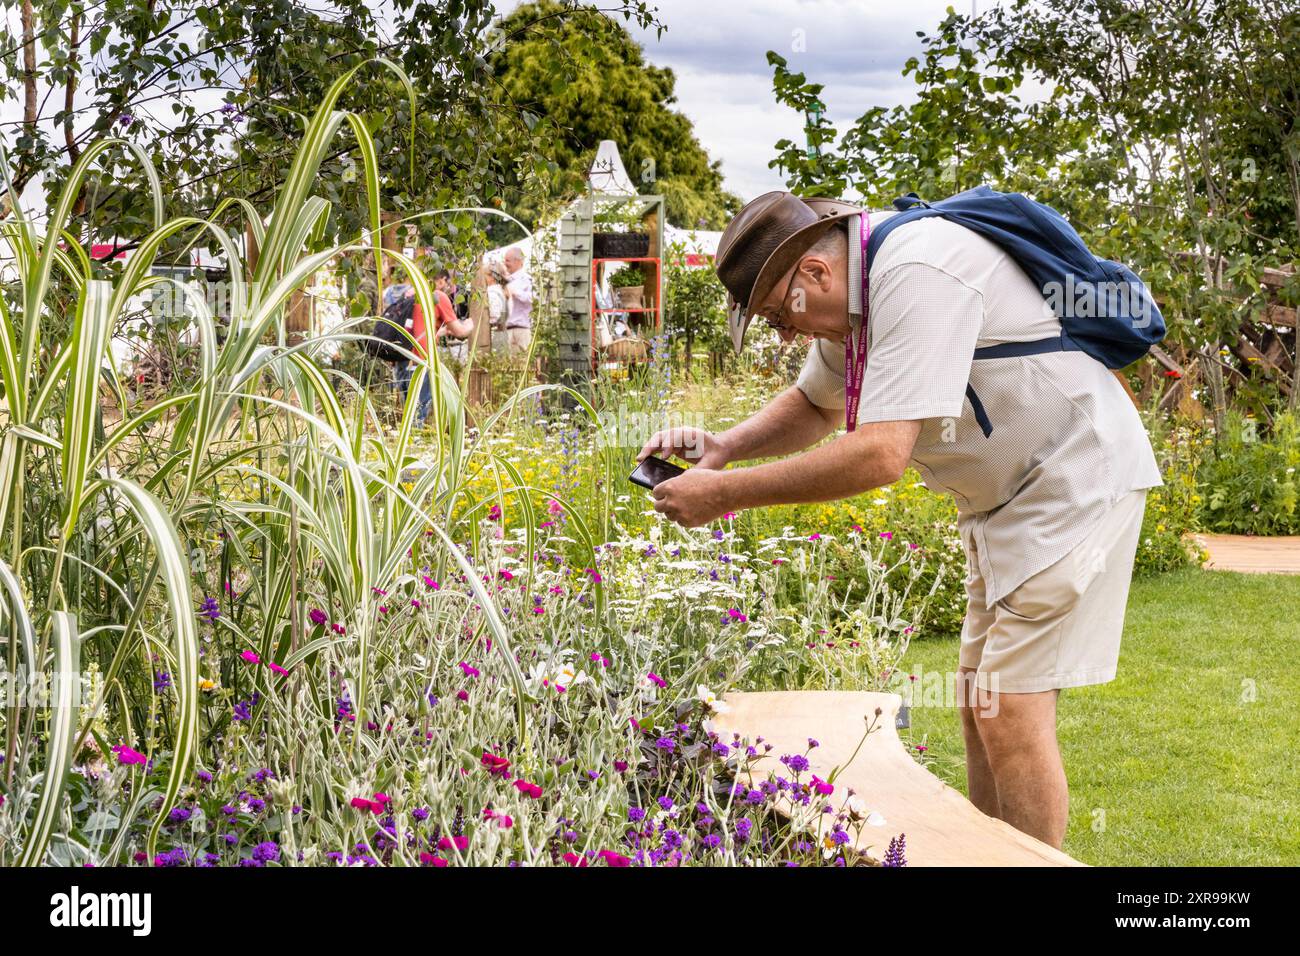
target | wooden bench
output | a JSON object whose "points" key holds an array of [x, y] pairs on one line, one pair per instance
{"points": [[941, 827]]}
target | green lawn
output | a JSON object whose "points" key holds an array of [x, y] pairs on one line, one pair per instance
{"points": [[1171, 763]]}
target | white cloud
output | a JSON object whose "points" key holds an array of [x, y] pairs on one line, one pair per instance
{"points": [[718, 51]]}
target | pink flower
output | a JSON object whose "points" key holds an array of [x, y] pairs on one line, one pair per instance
{"points": [[595, 575], [428, 859], [528, 789], [430, 582], [506, 575], [468, 670], [821, 786], [573, 859], [857, 528], [380, 591], [128, 756], [415, 604], [383, 609], [620, 766], [613, 859], [504, 821], [494, 513], [462, 695], [554, 507], [276, 668], [538, 609], [494, 764], [317, 616], [655, 679], [778, 560], [887, 535], [815, 536], [459, 842], [728, 516], [736, 615], [250, 657], [597, 659], [338, 628]]}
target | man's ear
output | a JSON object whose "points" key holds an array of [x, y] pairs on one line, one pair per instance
{"points": [[818, 271]]}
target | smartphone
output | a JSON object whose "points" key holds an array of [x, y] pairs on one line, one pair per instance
{"points": [[651, 471]]}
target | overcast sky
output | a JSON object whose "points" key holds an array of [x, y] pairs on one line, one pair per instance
{"points": [[718, 50]]}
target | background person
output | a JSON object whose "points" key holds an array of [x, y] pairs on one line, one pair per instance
{"points": [[519, 295]]}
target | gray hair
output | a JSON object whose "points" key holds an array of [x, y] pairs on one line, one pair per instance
{"points": [[832, 245]]}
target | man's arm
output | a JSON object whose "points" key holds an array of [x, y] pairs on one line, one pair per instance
{"points": [[875, 454], [788, 423], [520, 289]]}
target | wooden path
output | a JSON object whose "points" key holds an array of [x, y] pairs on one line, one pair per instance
{"points": [[941, 827], [1251, 554]]}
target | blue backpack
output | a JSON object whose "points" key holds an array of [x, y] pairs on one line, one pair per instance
{"points": [[1104, 308]]}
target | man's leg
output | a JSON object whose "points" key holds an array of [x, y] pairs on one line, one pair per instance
{"points": [[981, 787], [1018, 732]]}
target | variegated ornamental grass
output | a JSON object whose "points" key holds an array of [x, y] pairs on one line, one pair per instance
{"points": [[307, 639]]}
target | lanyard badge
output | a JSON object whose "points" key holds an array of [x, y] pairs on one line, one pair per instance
{"points": [[855, 349]]}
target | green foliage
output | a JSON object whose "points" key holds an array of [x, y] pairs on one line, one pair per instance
{"points": [[1172, 510], [1250, 482], [694, 305], [585, 79]]}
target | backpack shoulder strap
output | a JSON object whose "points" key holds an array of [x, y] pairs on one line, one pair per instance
{"points": [[910, 208]]}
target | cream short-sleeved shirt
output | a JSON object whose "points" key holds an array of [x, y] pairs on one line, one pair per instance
{"points": [[1066, 443]]}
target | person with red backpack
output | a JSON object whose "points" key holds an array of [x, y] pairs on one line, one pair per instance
{"points": [[973, 339]]}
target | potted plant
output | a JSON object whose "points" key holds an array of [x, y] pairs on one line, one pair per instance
{"points": [[629, 286]]}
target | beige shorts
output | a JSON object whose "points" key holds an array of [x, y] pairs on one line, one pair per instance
{"points": [[519, 339], [1062, 626]]}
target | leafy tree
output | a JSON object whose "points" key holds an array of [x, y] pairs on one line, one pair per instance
{"points": [[694, 305], [210, 92], [587, 80]]}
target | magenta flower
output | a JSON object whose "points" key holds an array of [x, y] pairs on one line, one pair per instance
{"points": [[497, 766], [276, 668], [250, 657], [430, 582], [468, 670], [128, 756], [887, 535], [815, 536], [655, 679], [318, 617], [614, 859], [459, 842], [528, 789]]}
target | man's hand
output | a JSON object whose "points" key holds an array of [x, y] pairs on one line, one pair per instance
{"points": [[695, 445], [693, 498]]}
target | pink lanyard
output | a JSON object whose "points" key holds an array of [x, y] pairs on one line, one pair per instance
{"points": [[855, 353]]}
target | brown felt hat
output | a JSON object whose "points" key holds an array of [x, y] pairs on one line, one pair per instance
{"points": [[763, 242]]}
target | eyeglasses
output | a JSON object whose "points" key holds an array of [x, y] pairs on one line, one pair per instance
{"points": [[776, 322]]}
